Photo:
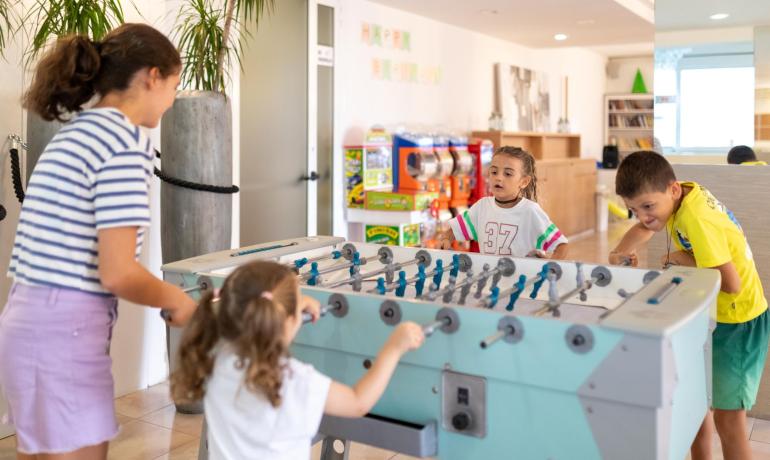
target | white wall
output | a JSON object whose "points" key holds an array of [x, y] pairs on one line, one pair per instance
{"points": [[625, 70], [464, 97]]}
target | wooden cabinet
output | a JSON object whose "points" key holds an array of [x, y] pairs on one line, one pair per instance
{"points": [[542, 146], [566, 184], [566, 191]]}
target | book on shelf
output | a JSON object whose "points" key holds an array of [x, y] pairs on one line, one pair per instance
{"points": [[630, 104], [630, 121], [628, 144]]}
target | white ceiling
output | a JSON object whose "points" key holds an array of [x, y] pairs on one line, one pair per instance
{"points": [[534, 23], [694, 14]]}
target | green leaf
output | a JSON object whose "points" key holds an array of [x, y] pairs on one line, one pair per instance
{"points": [[48, 20]]}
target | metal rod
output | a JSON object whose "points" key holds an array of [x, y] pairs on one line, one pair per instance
{"points": [[509, 291], [371, 274], [362, 261], [308, 318], [432, 295], [429, 329], [489, 341], [665, 291]]}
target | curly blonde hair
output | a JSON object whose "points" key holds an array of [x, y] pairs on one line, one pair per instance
{"points": [[251, 323], [528, 161]]}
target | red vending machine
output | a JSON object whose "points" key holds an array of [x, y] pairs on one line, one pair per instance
{"points": [[481, 150]]}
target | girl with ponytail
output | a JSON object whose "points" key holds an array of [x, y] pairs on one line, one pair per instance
{"points": [[79, 236], [510, 222], [260, 402]]}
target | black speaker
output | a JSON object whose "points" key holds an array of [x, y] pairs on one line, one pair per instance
{"points": [[610, 157]]}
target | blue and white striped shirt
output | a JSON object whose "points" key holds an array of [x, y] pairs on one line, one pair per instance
{"points": [[93, 175]]}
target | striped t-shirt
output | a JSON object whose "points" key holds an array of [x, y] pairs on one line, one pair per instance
{"points": [[93, 175], [515, 231]]}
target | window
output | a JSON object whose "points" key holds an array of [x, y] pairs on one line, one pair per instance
{"points": [[704, 102]]}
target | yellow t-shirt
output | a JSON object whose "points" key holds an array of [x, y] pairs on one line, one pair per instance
{"points": [[753, 163], [706, 228]]}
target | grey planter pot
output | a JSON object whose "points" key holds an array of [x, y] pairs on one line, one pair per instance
{"points": [[196, 145], [39, 134]]}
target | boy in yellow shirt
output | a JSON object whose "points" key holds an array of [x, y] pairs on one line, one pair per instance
{"points": [[707, 235]]}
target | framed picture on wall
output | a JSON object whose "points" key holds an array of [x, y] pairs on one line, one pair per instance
{"points": [[523, 98]]}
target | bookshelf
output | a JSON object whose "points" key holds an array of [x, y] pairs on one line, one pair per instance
{"points": [[628, 122]]}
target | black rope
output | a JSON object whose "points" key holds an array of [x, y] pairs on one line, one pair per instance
{"points": [[193, 185], [16, 175]]}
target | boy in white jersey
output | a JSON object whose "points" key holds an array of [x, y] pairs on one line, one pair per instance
{"points": [[510, 222]]}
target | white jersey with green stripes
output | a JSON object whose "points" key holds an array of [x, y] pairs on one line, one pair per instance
{"points": [[515, 231]]}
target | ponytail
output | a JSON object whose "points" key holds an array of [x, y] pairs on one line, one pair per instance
{"points": [[77, 69], [196, 360], [64, 79], [261, 348]]}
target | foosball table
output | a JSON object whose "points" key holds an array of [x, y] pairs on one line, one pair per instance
{"points": [[524, 358]]}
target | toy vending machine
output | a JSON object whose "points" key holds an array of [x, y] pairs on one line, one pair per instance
{"points": [[481, 151], [368, 166], [461, 180], [446, 165], [461, 175], [414, 164]]}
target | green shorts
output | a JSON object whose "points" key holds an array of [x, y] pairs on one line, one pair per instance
{"points": [[739, 352]]}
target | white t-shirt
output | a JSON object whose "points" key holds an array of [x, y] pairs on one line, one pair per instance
{"points": [[242, 424], [512, 231]]}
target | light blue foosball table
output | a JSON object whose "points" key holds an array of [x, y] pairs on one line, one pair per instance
{"points": [[525, 359]]}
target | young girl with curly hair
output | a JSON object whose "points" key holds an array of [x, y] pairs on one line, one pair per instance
{"points": [[258, 400]]}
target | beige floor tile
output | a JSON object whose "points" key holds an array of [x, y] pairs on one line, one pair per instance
{"points": [[140, 440], [169, 418], [8, 448], [760, 450], [141, 403], [595, 247], [761, 431], [750, 425], [358, 452], [122, 419], [188, 451]]}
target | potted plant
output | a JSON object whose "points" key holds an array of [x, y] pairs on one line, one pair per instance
{"points": [[196, 133]]}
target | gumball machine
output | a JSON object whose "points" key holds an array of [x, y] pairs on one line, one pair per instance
{"points": [[481, 151]]}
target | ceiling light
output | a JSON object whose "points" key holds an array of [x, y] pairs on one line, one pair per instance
{"points": [[719, 16], [560, 37]]}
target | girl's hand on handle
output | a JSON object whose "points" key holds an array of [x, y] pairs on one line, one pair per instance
{"points": [[181, 312], [406, 337], [310, 305], [538, 254]]}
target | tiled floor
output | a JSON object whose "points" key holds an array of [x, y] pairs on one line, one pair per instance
{"points": [[151, 428]]}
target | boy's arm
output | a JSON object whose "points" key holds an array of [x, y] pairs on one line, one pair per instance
{"points": [[626, 249], [731, 280]]}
